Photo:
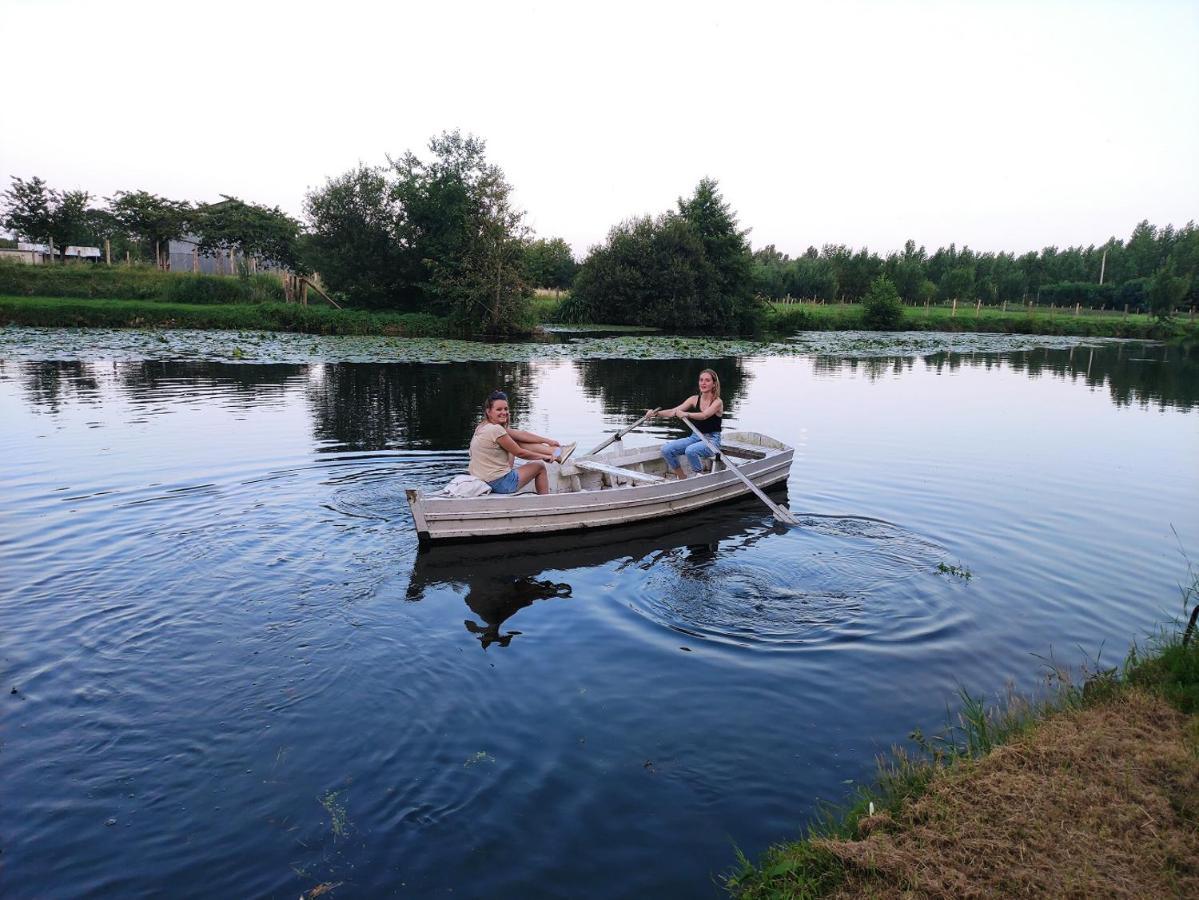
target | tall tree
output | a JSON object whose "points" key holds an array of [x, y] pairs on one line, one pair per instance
{"points": [[152, 220], [249, 229], [40, 213]]}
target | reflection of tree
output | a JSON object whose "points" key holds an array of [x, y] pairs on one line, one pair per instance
{"points": [[49, 384], [1132, 372], [372, 406], [628, 387], [151, 381]]}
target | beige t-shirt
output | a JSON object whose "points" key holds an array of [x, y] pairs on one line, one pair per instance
{"points": [[488, 460]]}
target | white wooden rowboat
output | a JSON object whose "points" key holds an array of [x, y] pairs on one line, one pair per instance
{"points": [[614, 488]]}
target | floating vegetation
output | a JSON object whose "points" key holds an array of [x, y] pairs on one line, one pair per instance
{"points": [[122, 344], [958, 571], [475, 758], [337, 814]]}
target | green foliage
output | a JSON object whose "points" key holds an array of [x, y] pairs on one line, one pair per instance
{"points": [[42, 214], [550, 264], [439, 235], [135, 283], [882, 310], [248, 229], [65, 312], [1165, 290], [686, 271], [1089, 294], [150, 219]]}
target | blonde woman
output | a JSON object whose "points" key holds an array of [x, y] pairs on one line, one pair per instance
{"points": [[706, 410]]}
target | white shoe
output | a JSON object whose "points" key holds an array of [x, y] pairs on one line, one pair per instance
{"points": [[565, 450]]}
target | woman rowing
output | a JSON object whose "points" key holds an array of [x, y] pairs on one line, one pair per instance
{"points": [[495, 447], [705, 409]]}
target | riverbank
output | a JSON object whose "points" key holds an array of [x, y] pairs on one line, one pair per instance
{"points": [[1092, 792], [790, 318], [64, 312]]}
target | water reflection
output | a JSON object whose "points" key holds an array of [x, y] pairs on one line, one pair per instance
{"points": [[628, 387], [1133, 372], [374, 406]]}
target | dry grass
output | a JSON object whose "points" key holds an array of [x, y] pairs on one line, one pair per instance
{"points": [[1101, 801]]}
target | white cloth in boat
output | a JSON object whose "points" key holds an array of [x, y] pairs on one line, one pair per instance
{"points": [[464, 487]]}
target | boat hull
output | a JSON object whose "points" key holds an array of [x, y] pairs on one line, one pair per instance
{"points": [[443, 519]]}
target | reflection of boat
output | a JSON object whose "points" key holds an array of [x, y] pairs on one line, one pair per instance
{"points": [[493, 564], [502, 578], [603, 490]]}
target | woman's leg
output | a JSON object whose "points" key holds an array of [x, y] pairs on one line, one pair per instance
{"points": [[671, 452], [530, 471], [698, 451], [538, 448]]}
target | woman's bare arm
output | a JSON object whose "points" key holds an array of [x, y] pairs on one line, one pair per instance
{"points": [[693, 400]]}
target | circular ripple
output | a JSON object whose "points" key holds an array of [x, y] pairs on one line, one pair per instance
{"points": [[829, 580]]}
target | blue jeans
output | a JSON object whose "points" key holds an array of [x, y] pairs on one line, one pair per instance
{"points": [[693, 448], [505, 484]]}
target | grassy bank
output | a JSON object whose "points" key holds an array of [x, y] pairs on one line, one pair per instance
{"points": [[1092, 792], [135, 283], [267, 316], [790, 318]]}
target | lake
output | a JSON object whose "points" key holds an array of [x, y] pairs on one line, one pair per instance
{"points": [[228, 671]]}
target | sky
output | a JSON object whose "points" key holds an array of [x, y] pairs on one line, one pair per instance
{"points": [[1001, 125]]}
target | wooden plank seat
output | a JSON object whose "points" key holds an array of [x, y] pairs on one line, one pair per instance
{"points": [[617, 472], [742, 451]]}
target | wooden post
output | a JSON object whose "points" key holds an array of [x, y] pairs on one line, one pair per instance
{"points": [[195, 259], [1077, 309], [128, 261], [978, 306], [1126, 310], [157, 255], [1005, 306], [303, 291], [107, 252], [954, 312]]}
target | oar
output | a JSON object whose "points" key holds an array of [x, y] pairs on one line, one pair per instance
{"points": [[620, 434], [780, 514]]}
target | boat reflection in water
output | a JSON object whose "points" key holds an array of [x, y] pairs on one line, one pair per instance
{"points": [[503, 577]]}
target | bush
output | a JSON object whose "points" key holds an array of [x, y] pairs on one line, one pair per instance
{"points": [[882, 310]]}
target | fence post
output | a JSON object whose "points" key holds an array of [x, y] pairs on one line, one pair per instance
{"points": [[1077, 309], [1126, 310], [107, 252], [953, 314], [978, 306]]}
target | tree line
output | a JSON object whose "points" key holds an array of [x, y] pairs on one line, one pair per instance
{"points": [[142, 224], [440, 234], [1049, 276]]}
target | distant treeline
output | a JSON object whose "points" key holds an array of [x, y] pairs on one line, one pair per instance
{"points": [[1046, 277], [440, 235]]}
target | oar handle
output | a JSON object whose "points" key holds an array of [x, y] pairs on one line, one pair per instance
{"points": [[620, 434]]}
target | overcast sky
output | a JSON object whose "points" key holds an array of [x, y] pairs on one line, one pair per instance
{"points": [[1003, 125]]}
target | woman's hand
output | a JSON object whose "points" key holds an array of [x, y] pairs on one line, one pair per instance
{"points": [[683, 415], [552, 442]]}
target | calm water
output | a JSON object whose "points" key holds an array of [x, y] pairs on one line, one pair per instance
{"points": [[228, 672]]}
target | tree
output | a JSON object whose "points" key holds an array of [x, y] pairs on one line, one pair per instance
{"points": [[461, 236], [42, 214], [150, 219], [725, 245], [352, 239], [550, 264], [1165, 290], [248, 229], [882, 309]]}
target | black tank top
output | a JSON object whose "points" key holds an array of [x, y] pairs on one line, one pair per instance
{"points": [[710, 425]]}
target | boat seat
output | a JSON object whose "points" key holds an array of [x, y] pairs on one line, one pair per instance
{"points": [[616, 472], [743, 451]]}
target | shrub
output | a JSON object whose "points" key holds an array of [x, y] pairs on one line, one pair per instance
{"points": [[882, 310]]}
